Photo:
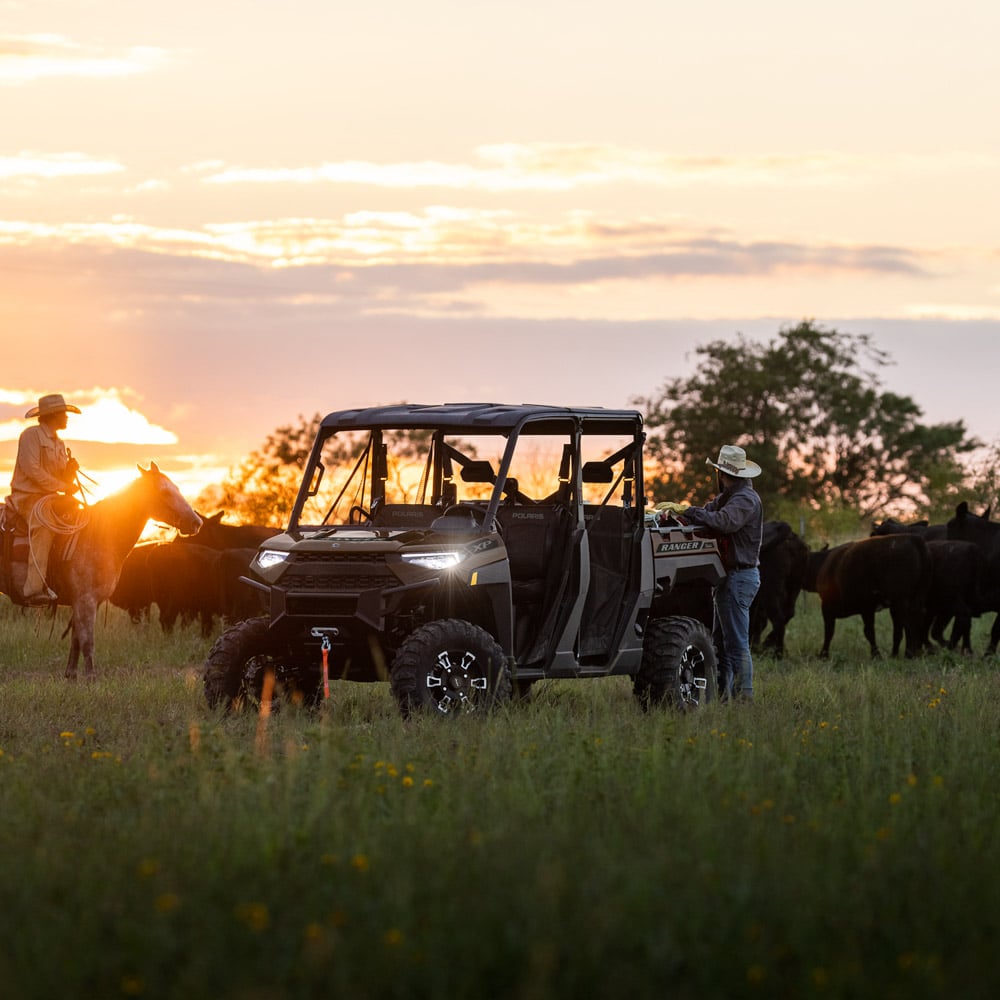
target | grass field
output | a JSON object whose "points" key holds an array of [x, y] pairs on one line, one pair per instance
{"points": [[838, 838]]}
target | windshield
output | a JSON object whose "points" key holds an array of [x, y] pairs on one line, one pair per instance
{"points": [[390, 477]]}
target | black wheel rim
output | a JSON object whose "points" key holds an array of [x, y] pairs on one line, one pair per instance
{"points": [[692, 681], [456, 681]]}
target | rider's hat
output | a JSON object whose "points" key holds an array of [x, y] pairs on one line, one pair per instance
{"points": [[47, 405], [734, 462]]}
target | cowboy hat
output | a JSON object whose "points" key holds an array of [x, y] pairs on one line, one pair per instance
{"points": [[733, 461], [47, 405]]}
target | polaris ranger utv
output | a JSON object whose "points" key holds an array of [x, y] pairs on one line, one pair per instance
{"points": [[464, 551]]}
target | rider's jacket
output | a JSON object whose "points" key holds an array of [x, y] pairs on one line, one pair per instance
{"points": [[41, 467]]}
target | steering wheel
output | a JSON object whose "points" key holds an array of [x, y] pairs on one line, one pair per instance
{"points": [[460, 517], [359, 510], [475, 514]]}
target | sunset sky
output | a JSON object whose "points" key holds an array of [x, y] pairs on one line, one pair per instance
{"points": [[217, 216]]}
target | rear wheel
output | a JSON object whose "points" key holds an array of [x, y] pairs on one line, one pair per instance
{"points": [[450, 667], [679, 665], [243, 666]]}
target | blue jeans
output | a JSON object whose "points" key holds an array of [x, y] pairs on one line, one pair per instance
{"points": [[731, 631]]}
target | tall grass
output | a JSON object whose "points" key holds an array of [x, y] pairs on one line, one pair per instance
{"points": [[836, 838]]}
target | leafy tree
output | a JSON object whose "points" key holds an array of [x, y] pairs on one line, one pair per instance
{"points": [[984, 480], [262, 488], [809, 409]]}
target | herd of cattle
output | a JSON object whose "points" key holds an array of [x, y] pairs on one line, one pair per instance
{"points": [[927, 575], [194, 577]]}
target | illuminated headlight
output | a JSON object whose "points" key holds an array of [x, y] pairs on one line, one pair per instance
{"points": [[434, 560], [269, 558]]}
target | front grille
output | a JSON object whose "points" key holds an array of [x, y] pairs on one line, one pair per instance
{"points": [[338, 574], [338, 582]]}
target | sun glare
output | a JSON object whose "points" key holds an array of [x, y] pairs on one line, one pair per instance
{"points": [[111, 421]]}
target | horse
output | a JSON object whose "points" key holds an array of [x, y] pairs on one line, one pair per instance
{"points": [[88, 573]]}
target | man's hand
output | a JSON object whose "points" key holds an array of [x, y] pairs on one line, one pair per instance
{"points": [[668, 506]]}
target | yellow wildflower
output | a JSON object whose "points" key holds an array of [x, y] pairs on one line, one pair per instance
{"points": [[253, 915], [167, 902]]}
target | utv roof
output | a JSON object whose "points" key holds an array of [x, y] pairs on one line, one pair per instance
{"points": [[484, 418]]}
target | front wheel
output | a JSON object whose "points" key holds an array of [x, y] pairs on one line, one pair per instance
{"points": [[243, 665], [450, 667], [679, 665]]}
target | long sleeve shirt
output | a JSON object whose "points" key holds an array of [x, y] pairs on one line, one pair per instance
{"points": [[737, 513], [40, 468]]}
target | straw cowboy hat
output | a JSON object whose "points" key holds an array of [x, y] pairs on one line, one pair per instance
{"points": [[47, 405], [733, 461]]}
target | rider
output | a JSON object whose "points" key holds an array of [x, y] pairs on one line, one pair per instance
{"points": [[44, 467]]}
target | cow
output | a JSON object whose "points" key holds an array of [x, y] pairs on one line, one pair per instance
{"points": [[929, 532], [984, 533], [783, 557], [860, 578], [184, 582], [216, 535], [239, 600], [132, 593], [957, 591]]}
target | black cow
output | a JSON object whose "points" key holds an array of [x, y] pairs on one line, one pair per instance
{"points": [[957, 591], [783, 558], [860, 578], [216, 535], [929, 532], [239, 600], [132, 592], [184, 581], [968, 527]]}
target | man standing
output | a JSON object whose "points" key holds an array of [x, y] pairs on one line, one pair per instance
{"points": [[44, 467], [737, 516]]}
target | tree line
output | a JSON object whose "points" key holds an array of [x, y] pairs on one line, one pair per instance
{"points": [[808, 406]]}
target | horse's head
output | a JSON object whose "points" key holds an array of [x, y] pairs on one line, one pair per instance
{"points": [[167, 503]]}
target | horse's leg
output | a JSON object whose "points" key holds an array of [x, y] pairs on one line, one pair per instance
{"points": [[84, 625], [74, 651]]}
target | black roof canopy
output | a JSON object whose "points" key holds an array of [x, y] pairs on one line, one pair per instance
{"points": [[486, 418]]}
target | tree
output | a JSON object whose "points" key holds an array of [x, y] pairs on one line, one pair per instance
{"points": [[262, 488], [809, 409]]}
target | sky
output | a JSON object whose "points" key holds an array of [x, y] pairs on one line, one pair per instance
{"points": [[218, 217]]}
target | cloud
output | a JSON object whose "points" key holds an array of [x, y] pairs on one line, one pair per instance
{"points": [[28, 58], [106, 417], [555, 167], [46, 166], [547, 167], [457, 247], [953, 311]]}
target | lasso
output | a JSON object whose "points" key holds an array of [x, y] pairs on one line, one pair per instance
{"points": [[44, 516]]}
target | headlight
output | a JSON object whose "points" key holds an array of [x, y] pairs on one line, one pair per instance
{"points": [[434, 560], [269, 558]]}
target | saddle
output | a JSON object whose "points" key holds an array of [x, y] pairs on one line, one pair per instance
{"points": [[15, 547]]}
